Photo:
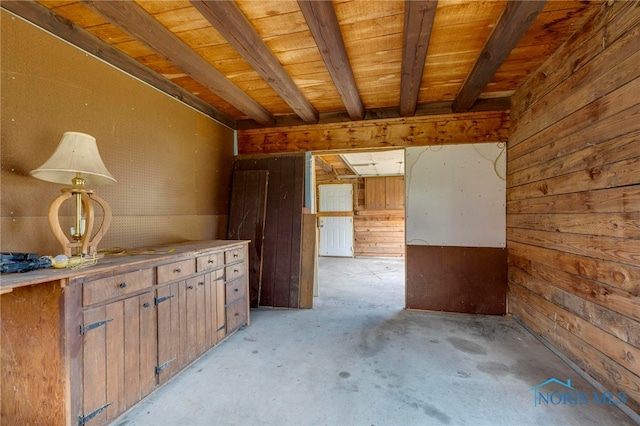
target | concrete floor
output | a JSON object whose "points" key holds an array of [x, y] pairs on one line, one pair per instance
{"points": [[358, 358]]}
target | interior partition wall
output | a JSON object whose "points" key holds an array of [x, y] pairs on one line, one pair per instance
{"points": [[455, 228]]}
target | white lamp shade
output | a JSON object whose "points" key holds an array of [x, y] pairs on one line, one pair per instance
{"points": [[76, 153]]}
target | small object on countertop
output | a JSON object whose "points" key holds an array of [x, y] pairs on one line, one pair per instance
{"points": [[60, 261]]}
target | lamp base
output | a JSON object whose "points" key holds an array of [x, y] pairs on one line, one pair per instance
{"points": [[86, 243]]}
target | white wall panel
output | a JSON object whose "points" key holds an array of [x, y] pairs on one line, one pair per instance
{"points": [[456, 195]]}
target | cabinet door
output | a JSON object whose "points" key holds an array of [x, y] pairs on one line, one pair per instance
{"points": [[112, 383], [215, 318], [209, 309], [189, 329], [168, 311], [201, 290]]}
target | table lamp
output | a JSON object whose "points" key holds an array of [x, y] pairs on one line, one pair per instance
{"points": [[76, 160]]}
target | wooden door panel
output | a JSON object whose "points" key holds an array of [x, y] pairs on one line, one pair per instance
{"points": [[116, 380], [168, 331], [375, 193], [209, 314], [283, 227], [201, 314], [132, 349], [148, 344], [220, 324], [247, 220], [191, 327], [94, 362]]}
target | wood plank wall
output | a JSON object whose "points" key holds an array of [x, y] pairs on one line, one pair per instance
{"points": [[379, 221], [376, 232], [573, 200]]}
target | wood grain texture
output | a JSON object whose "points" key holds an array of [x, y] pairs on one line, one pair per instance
{"points": [[283, 227], [228, 19], [323, 24], [133, 20], [247, 212], [507, 32], [33, 357], [377, 232], [418, 22], [573, 202], [308, 270], [401, 132]]}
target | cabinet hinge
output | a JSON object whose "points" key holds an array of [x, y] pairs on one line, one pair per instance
{"points": [[83, 420], [85, 328], [159, 300], [161, 367]]}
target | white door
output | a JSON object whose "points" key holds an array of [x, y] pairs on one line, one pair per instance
{"points": [[336, 236], [336, 232], [336, 198]]}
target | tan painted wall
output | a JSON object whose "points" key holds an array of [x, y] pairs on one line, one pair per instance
{"points": [[173, 164], [573, 200]]}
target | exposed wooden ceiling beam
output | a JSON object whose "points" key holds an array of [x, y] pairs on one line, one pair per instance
{"points": [[229, 20], [418, 21], [512, 25], [68, 31], [136, 22], [323, 23], [434, 108], [328, 168]]}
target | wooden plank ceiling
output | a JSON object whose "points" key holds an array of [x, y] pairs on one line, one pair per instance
{"points": [[270, 63]]}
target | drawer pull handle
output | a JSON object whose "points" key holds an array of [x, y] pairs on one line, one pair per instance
{"points": [[200, 282], [237, 314], [147, 304], [123, 285], [236, 290], [190, 287], [211, 261], [177, 270], [235, 254], [235, 271]]}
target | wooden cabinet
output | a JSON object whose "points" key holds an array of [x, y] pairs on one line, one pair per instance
{"points": [[115, 331], [118, 357], [235, 289], [190, 314], [118, 336]]}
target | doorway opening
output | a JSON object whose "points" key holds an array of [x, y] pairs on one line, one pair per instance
{"points": [[359, 200]]}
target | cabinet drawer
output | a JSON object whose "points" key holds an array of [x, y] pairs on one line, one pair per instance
{"points": [[176, 270], [234, 271], [210, 261], [236, 315], [236, 289], [234, 255], [97, 291]]}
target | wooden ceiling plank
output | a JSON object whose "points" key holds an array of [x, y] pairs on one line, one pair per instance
{"points": [[68, 31], [323, 23], [418, 21], [229, 20], [510, 28], [136, 22]]}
